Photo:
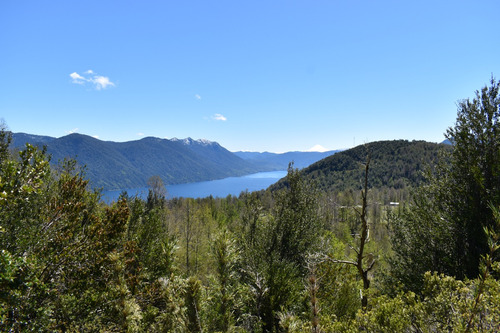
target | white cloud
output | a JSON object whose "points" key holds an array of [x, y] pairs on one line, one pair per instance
{"points": [[198, 97], [218, 116], [77, 78], [95, 136], [140, 134], [99, 82]]}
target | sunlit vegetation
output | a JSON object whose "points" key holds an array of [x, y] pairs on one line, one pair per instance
{"points": [[382, 255]]}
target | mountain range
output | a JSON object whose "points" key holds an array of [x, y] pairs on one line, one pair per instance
{"points": [[274, 161], [120, 165]]}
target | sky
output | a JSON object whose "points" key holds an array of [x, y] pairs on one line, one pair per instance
{"points": [[252, 75]]}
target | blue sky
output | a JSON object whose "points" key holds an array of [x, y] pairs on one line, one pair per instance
{"points": [[251, 75]]}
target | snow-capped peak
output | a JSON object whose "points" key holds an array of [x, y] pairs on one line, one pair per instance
{"points": [[190, 141]]}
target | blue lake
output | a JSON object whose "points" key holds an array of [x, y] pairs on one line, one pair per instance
{"points": [[215, 188]]}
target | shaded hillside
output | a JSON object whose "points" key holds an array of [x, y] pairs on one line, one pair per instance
{"points": [[120, 165], [274, 161], [20, 139], [395, 164]]}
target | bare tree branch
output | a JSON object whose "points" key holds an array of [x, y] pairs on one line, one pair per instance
{"points": [[363, 240]]}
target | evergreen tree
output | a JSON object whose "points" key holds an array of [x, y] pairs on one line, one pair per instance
{"points": [[277, 256], [443, 230], [5, 139], [474, 176]]}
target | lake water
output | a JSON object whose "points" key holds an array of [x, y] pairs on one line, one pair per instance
{"points": [[215, 188]]}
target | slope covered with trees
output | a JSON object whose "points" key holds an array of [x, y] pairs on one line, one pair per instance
{"points": [[394, 164], [120, 165]]}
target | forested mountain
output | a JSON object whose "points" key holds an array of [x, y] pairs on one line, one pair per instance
{"points": [[274, 161], [119, 165], [396, 164], [19, 140]]}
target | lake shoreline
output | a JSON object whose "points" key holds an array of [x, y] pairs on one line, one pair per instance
{"points": [[216, 188]]}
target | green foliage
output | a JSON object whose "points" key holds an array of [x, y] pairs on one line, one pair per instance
{"points": [[339, 286], [5, 140], [20, 192], [276, 247], [443, 229], [193, 294], [163, 305], [260, 262], [473, 181], [226, 296], [296, 224], [420, 239], [148, 230]]}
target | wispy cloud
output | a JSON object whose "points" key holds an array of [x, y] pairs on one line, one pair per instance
{"points": [[99, 82], [140, 134], [219, 117], [74, 130], [198, 97], [77, 78]]}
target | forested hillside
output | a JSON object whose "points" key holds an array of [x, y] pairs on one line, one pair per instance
{"points": [[295, 259], [394, 164], [120, 165]]}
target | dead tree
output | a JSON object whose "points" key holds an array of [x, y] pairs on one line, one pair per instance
{"points": [[363, 262]]}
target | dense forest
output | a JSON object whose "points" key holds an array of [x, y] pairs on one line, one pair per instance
{"points": [[393, 164], [379, 253]]}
